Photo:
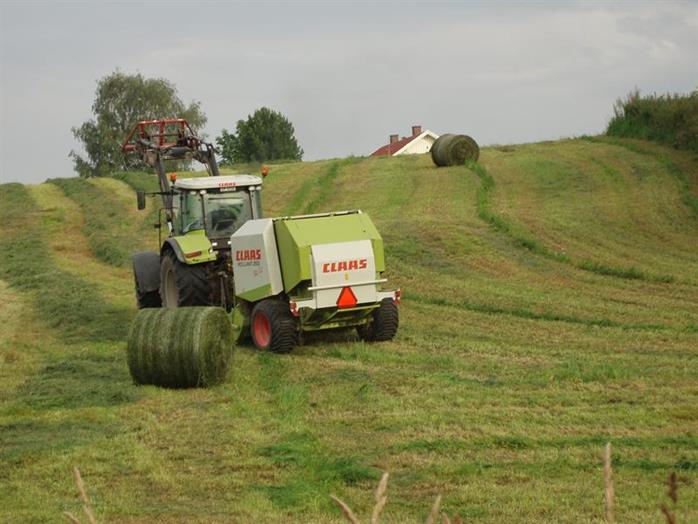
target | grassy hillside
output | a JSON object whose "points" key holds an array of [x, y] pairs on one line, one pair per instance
{"points": [[551, 305]]}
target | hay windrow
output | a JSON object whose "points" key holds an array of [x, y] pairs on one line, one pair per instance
{"points": [[454, 150], [180, 348]]}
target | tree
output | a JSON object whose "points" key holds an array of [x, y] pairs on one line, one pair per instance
{"points": [[265, 135], [121, 101]]}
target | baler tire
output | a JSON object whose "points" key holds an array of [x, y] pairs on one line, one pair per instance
{"points": [[275, 316], [383, 325], [191, 282]]}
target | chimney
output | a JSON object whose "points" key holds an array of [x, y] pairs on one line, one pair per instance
{"points": [[394, 138], [416, 130]]}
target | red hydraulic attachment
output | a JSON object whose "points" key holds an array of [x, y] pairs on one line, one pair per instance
{"points": [[157, 141], [161, 134]]}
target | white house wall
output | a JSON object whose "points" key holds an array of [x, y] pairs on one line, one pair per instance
{"points": [[421, 144]]}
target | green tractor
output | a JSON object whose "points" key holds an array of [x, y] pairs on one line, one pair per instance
{"points": [[276, 277]]}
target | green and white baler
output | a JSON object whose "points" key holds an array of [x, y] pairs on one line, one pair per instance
{"points": [[326, 270]]}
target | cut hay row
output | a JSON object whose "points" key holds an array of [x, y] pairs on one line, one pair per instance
{"points": [[180, 348]]}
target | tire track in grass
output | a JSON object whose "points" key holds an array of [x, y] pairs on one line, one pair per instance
{"points": [[522, 239], [64, 302], [315, 471]]}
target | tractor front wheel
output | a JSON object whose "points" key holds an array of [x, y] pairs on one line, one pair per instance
{"points": [[182, 285], [272, 326], [383, 324]]}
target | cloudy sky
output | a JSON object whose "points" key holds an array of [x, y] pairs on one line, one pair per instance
{"points": [[346, 74]]}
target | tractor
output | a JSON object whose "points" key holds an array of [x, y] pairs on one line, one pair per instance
{"points": [[277, 278]]}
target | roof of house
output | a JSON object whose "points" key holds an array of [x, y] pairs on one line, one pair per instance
{"points": [[390, 149]]}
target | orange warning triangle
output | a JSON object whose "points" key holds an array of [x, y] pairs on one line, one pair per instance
{"points": [[346, 299]]}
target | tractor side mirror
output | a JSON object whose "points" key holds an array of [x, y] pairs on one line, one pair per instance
{"points": [[140, 197]]}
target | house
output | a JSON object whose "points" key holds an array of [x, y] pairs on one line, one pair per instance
{"points": [[419, 142]]}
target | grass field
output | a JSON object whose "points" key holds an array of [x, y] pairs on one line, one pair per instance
{"points": [[551, 305]]}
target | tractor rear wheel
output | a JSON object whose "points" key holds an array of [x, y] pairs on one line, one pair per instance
{"points": [[182, 285], [146, 299], [146, 276], [383, 324], [273, 327]]}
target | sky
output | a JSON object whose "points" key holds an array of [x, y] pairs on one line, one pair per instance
{"points": [[347, 75]]}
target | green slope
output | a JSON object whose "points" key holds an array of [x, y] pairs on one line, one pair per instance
{"points": [[551, 305]]}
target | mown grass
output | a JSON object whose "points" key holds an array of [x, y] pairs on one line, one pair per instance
{"points": [[64, 302], [112, 226], [522, 238], [687, 185], [510, 372]]}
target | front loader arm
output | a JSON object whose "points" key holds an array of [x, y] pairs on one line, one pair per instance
{"points": [[169, 139]]}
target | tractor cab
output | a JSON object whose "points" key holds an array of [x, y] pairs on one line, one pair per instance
{"points": [[217, 206]]}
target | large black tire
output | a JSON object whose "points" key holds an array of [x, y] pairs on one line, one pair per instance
{"points": [[147, 299], [182, 285], [146, 276], [273, 327], [383, 324]]}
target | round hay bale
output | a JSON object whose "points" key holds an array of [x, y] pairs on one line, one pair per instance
{"points": [[438, 149], [454, 150], [180, 347]]}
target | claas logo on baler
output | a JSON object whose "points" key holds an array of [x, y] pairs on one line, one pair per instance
{"points": [[344, 265], [248, 254]]}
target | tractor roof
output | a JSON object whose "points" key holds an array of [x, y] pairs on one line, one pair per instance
{"points": [[216, 182]]}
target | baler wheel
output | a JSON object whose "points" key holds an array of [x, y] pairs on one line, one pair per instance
{"points": [[182, 285], [383, 325], [273, 327]]}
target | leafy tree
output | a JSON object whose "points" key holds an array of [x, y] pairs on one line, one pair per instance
{"points": [[265, 135], [121, 101]]}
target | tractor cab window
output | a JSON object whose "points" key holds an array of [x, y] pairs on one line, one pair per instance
{"points": [[191, 211], [226, 212]]}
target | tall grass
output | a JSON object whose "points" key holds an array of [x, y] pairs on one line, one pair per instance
{"points": [[670, 119]]}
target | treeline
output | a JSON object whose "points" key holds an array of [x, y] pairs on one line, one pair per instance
{"points": [[671, 119], [121, 100]]}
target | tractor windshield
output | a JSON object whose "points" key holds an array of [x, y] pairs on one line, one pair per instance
{"points": [[191, 212], [226, 212]]}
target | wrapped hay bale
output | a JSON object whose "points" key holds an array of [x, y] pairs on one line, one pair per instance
{"points": [[454, 150], [180, 347]]}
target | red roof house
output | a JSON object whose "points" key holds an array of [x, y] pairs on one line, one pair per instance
{"points": [[420, 142]]}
